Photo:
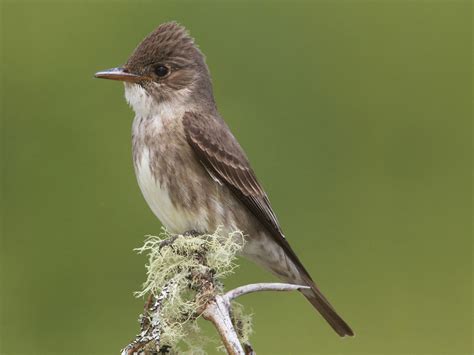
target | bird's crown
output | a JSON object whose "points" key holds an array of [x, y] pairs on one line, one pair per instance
{"points": [[169, 42]]}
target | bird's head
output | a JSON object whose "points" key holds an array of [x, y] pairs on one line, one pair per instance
{"points": [[165, 67]]}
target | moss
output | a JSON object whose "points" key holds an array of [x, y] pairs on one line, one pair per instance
{"points": [[183, 272], [242, 322]]}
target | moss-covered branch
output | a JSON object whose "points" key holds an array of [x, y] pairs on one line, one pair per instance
{"points": [[184, 282]]}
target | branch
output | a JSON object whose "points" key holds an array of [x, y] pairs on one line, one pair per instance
{"points": [[251, 288], [218, 312], [184, 282]]}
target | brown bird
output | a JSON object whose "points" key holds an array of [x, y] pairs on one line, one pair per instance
{"points": [[192, 171]]}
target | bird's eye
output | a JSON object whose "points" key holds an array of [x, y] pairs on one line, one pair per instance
{"points": [[161, 70]]}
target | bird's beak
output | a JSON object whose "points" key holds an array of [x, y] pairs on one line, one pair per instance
{"points": [[120, 74]]}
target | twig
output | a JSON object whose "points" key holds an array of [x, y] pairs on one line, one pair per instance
{"points": [[276, 286], [218, 312]]}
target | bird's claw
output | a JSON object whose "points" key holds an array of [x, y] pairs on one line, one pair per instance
{"points": [[169, 241], [191, 233]]}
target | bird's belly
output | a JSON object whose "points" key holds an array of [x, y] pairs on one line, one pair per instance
{"points": [[188, 201], [157, 195]]}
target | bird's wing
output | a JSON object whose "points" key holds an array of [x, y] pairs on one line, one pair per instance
{"points": [[223, 157]]}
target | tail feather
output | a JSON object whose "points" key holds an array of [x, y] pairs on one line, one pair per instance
{"points": [[296, 273], [283, 262], [317, 299]]}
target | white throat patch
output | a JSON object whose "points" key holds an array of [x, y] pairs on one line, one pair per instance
{"points": [[145, 105], [139, 100]]}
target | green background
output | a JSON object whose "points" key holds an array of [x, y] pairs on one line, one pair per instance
{"points": [[356, 116]]}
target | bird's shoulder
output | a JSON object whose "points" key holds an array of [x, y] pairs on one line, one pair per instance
{"points": [[218, 149], [213, 134]]}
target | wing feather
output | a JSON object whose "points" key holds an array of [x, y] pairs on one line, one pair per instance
{"points": [[224, 159]]}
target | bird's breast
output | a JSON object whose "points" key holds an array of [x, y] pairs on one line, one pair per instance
{"points": [[175, 185], [162, 197]]}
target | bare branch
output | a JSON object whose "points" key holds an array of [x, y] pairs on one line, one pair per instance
{"points": [[275, 286], [218, 312]]}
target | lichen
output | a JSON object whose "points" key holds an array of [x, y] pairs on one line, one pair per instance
{"points": [[189, 270], [242, 322]]}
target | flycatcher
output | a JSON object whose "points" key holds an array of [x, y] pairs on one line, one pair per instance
{"points": [[191, 170]]}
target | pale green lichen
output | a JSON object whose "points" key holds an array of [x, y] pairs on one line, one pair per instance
{"points": [[185, 271], [242, 322]]}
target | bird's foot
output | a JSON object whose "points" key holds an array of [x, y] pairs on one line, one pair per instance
{"points": [[191, 233], [169, 241]]}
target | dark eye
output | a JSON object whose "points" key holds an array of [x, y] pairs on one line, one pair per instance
{"points": [[161, 70]]}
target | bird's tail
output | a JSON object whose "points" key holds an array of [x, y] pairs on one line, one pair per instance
{"points": [[317, 299], [284, 263]]}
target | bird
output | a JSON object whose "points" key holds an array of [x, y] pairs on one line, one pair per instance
{"points": [[191, 170]]}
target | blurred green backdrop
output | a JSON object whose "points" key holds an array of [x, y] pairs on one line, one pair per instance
{"points": [[356, 116]]}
